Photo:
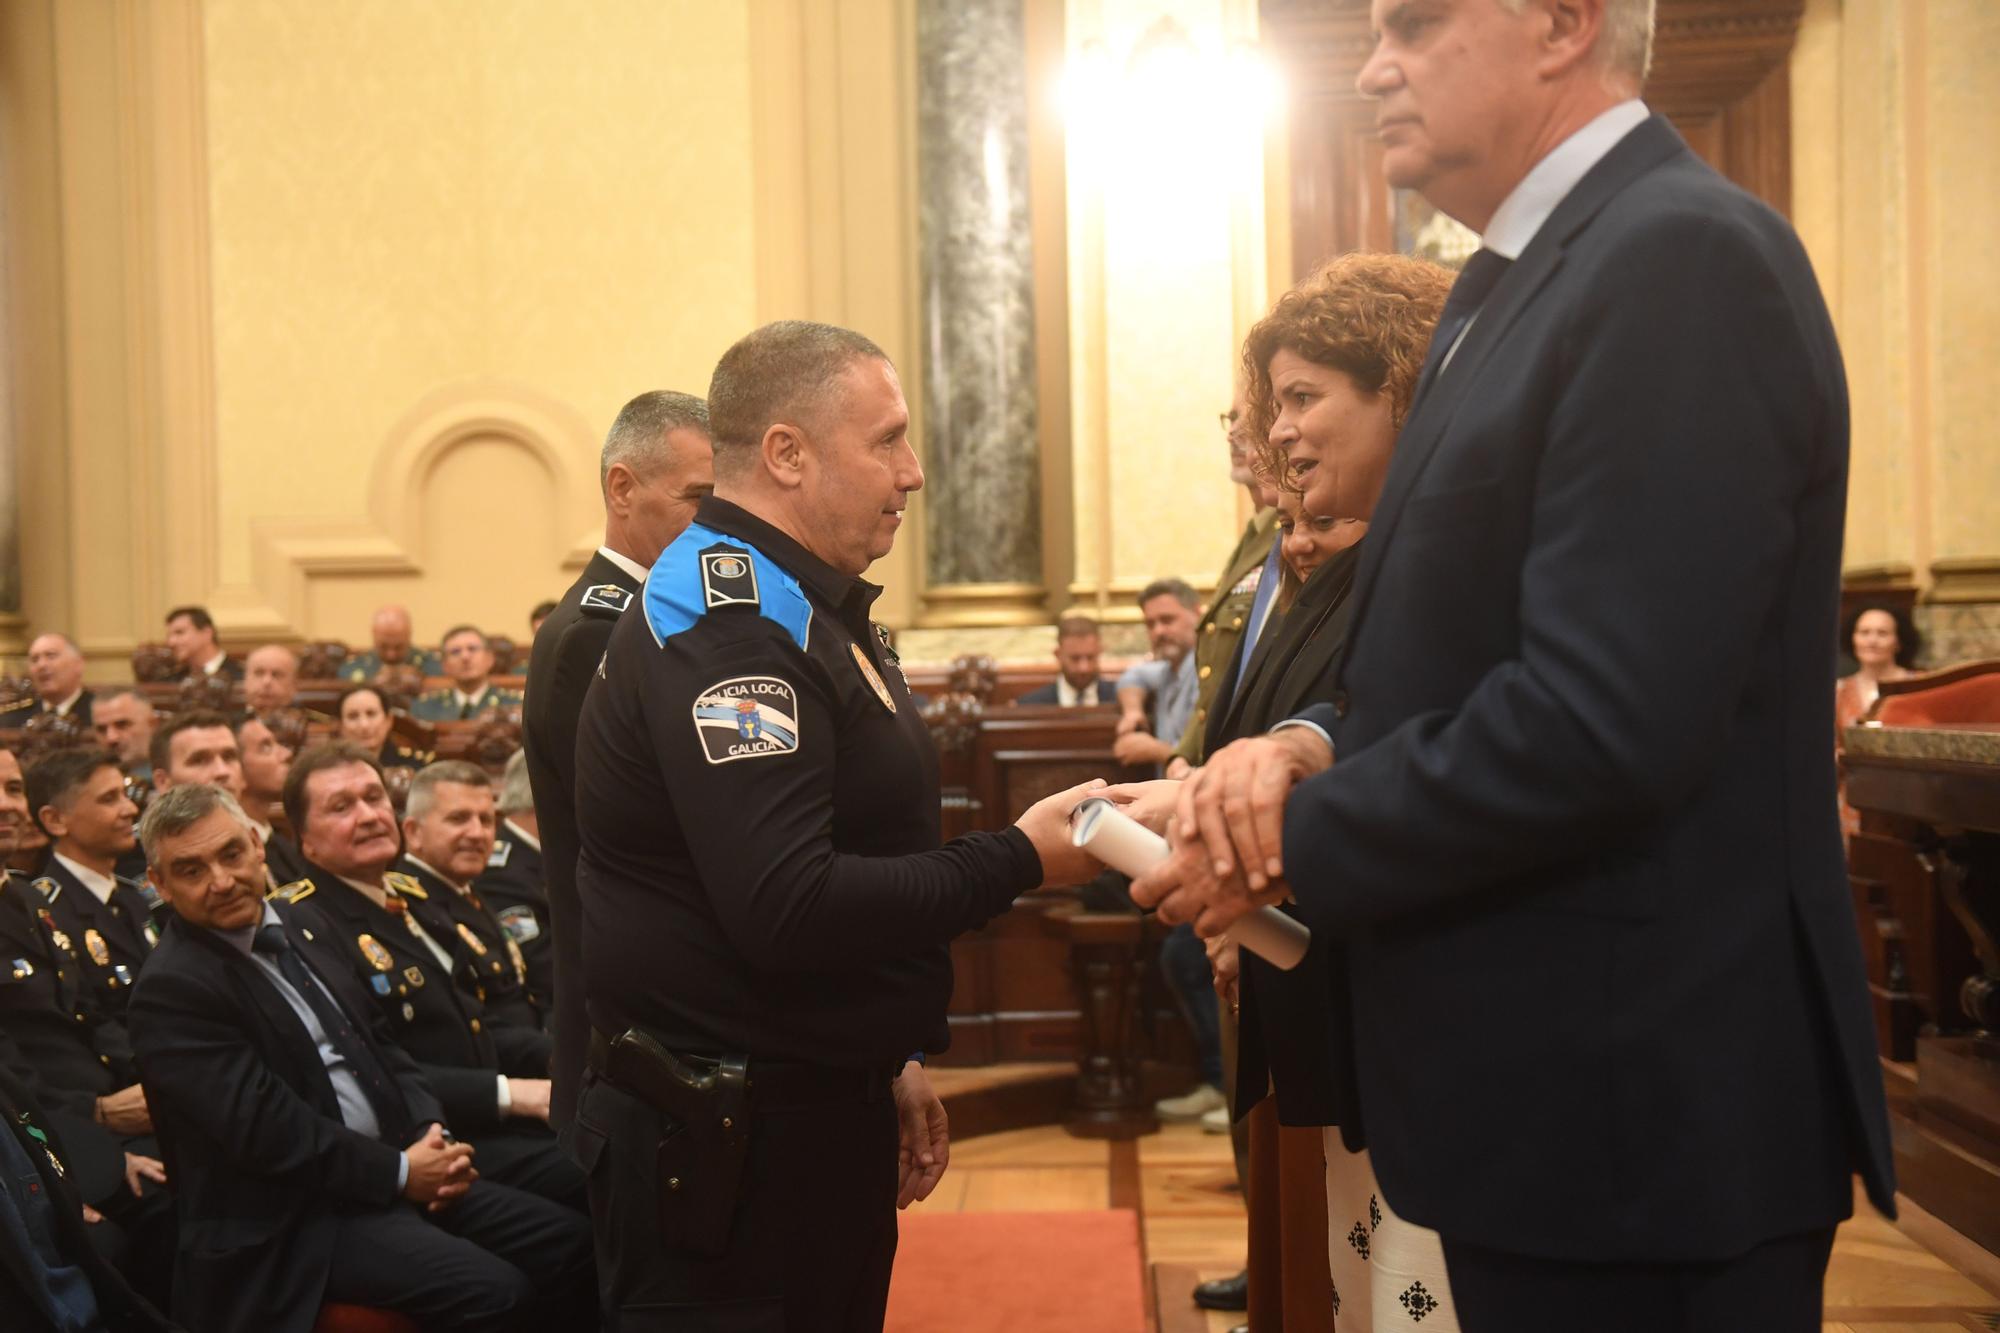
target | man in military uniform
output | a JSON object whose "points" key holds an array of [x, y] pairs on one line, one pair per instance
{"points": [[55, 665], [468, 661], [335, 800], [656, 466], [78, 797], [75, 1063], [1243, 594], [766, 904], [192, 639], [514, 885], [448, 823], [389, 628]]}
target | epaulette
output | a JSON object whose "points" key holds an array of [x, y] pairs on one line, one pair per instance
{"points": [[403, 885], [608, 598], [297, 891], [49, 889]]}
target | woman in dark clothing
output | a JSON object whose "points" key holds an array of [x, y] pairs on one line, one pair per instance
{"points": [[1330, 374]]}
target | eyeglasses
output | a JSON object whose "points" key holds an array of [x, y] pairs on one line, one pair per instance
{"points": [[1227, 420]]}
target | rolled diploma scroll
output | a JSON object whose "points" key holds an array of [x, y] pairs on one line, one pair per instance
{"points": [[1126, 845]]}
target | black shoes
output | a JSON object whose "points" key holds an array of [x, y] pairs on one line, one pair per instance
{"points": [[1224, 1293]]}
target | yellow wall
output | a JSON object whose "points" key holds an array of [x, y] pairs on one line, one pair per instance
{"points": [[1896, 112], [314, 306]]}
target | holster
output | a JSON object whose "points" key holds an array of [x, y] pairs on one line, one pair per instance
{"points": [[700, 1155]]}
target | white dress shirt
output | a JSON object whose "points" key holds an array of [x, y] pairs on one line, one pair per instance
{"points": [[1069, 696], [624, 562], [99, 883]]}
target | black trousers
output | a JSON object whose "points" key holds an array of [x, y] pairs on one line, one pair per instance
{"points": [[498, 1259], [524, 1155], [1774, 1288], [811, 1243]]}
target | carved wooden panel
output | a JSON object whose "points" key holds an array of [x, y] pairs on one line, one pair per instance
{"points": [[1720, 74]]}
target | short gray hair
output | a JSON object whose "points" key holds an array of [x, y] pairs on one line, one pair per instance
{"points": [[1177, 589], [638, 438], [423, 787], [516, 794], [783, 372], [178, 809], [1627, 43]]}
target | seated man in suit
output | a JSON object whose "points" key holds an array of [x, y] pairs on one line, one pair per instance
{"points": [[468, 660], [448, 823], [78, 797], [337, 805], [73, 1068], [191, 637], [309, 1154], [270, 678], [55, 665], [266, 760], [513, 886], [1079, 649], [1158, 696], [389, 629], [123, 720]]}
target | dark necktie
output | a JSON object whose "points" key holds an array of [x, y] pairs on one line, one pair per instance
{"points": [[391, 1113], [1475, 283]]}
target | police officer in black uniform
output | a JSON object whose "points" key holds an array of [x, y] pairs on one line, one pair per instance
{"points": [[766, 903]]}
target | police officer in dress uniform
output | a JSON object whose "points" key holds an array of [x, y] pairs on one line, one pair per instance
{"points": [[448, 821], [75, 1064], [78, 796], [766, 903], [655, 468], [380, 921]]}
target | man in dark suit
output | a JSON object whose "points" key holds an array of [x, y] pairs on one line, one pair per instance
{"points": [[284, 1109], [55, 665], [191, 637], [1612, 1034], [655, 469], [1079, 683]]}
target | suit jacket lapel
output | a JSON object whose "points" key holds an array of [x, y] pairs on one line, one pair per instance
{"points": [[1646, 147]]}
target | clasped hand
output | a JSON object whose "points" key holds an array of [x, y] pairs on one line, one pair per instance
{"points": [[1227, 831]]}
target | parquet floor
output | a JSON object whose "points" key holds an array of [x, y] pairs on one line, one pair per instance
{"points": [[1918, 1277]]}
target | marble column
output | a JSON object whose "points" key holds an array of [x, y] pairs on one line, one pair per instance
{"points": [[982, 495]]}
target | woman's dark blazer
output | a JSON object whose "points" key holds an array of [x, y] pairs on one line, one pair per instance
{"points": [[1294, 1032]]}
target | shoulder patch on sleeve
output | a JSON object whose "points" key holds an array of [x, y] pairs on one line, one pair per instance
{"points": [[747, 717], [705, 570], [607, 597], [297, 891], [520, 924], [403, 885]]}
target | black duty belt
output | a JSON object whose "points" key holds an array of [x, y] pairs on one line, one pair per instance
{"points": [[767, 1085]]}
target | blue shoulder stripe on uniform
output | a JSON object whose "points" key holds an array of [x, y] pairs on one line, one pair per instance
{"points": [[674, 596]]}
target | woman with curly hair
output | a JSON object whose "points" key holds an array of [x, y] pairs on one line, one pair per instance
{"points": [[1329, 374]]}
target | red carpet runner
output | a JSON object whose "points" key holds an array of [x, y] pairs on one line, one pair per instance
{"points": [[1017, 1273]]}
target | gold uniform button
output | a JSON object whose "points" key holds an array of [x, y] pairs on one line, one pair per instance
{"points": [[1205, 672], [1211, 627], [475, 1025]]}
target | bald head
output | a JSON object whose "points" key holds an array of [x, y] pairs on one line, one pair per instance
{"points": [[389, 627], [270, 678]]}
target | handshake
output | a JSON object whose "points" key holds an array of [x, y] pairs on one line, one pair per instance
{"points": [[1221, 863]]}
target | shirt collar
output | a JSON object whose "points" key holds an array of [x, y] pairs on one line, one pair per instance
{"points": [[214, 664], [100, 885], [62, 709], [374, 893], [433, 872], [523, 834], [1522, 213], [846, 593], [1066, 693], [624, 562], [464, 698], [245, 940]]}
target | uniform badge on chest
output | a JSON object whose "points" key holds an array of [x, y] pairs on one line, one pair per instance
{"points": [[472, 941], [872, 676], [94, 945], [371, 949]]}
